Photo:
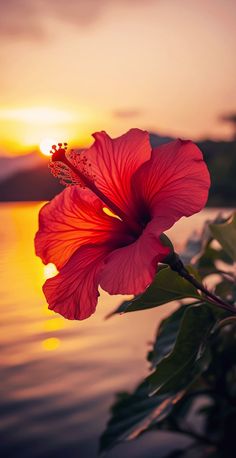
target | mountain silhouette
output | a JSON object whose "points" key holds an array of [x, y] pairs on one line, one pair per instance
{"points": [[35, 183]]}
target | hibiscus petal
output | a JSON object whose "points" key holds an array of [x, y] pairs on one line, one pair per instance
{"points": [[70, 220], [114, 161], [174, 183], [74, 291], [129, 270]]}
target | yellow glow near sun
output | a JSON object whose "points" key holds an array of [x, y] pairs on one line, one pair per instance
{"points": [[46, 146], [36, 115], [27, 129]]}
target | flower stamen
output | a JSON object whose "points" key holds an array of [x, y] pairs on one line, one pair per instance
{"points": [[71, 169]]}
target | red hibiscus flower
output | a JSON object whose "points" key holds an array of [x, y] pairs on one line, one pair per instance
{"points": [[146, 190]]}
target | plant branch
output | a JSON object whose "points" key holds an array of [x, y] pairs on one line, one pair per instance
{"points": [[175, 263]]}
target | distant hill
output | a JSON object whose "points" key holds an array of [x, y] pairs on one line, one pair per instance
{"points": [[35, 182], [11, 165], [221, 160]]}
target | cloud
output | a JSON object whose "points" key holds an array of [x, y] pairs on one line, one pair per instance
{"points": [[20, 18], [26, 18], [126, 113], [36, 115]]}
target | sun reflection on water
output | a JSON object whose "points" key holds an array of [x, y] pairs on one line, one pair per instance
{"points": [[58, 376], [52, 343], [54, 324]]}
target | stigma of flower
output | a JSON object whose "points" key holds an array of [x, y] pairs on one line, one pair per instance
{"points": [[62, 167]]}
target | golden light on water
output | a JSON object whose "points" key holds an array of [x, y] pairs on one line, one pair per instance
{"points": [[52, 343], [54, 324]]}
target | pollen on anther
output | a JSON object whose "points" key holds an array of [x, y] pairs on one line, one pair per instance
{"points": [[60, 168], [80, 161]]}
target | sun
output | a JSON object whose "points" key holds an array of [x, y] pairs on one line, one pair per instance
{"points": [[45, 146]]}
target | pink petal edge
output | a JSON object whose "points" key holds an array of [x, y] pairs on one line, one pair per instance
{"points": [[74, 291]]}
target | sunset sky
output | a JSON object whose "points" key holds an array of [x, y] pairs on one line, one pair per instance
{"points": [[70, 67]]}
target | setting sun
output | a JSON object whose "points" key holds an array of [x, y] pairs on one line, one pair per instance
{"points": [[45, 146], [26, 129]]}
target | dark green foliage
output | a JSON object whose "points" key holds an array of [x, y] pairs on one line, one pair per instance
{"points": [[166, 337], [190, 354], [193, 356], [133, 414], [167, 286], [225, 234], [221, 160]]}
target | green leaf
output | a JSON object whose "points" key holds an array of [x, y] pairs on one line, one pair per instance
{"points": [[135, 413], [166, 336], [198, 243], [167, 286], [190, 355], [226, 289], [226, 235], [226, 321], [207, 262]]}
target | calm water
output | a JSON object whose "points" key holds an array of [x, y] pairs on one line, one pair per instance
{"points": [[59, 378]]}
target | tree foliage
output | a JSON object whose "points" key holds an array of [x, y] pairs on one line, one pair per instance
{"points": [[194, 353]]}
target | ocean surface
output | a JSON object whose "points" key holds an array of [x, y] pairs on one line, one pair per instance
{"points": [[59, 378]]}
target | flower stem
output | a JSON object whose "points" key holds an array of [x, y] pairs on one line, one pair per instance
{"points": [[175, 263]]}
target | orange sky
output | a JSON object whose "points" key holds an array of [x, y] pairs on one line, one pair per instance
{"points": [[72, 67]]}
